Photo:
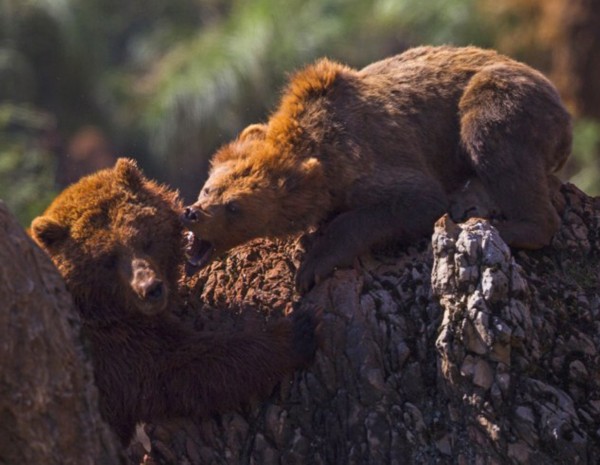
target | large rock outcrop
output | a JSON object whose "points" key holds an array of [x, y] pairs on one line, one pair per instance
{"points": [[455, 351]]}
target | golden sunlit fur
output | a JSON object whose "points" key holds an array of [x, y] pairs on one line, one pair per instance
{"points": [[379, 152]]}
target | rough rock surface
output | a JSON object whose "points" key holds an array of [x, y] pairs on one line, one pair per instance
{"points": [[48, 401], [458, 351]]}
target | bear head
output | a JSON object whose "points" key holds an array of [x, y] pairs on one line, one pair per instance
{"points": [[116, 238], [254, 189]]}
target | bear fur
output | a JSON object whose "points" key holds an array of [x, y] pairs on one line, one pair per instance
{"points": [[375, 154], [117, 240]]}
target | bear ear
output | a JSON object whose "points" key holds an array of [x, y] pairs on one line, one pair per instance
{"points": [[48, 232], [128, 173], [254, 131], [302, 175]]}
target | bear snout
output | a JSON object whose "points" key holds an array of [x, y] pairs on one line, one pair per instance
{"points": [[148, 286], [192, 214], [151, 289]]}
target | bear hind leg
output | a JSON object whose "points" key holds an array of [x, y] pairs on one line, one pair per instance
{"points": [[523, 197], [510, 141]]}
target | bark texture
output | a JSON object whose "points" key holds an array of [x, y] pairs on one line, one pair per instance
{"points": [[48, 401], [454, 351]]}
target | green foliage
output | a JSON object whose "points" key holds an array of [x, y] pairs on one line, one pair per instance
{"points": [[169, 81], [586, 156], [27, 170]]}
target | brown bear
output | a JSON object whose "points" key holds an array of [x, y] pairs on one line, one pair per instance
{"points": [[374, 154], [117, 240]]}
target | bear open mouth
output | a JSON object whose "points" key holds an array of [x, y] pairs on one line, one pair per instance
{"points": [[199, 253]]}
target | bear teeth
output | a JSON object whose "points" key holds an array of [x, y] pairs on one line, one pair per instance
{"points": [[199, 253]]}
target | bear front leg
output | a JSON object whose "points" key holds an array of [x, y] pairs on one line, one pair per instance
{"points": [[211, 372], [407, 217]]}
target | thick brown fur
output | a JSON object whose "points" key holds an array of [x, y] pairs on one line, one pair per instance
{"points": [[117, 240], [379, 151]]}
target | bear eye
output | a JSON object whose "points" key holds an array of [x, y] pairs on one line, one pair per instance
{"points": [[206, 191], [232, 207]]}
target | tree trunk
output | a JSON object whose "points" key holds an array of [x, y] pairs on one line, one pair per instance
{"points": [[48, 412], [575, 49], [561, 37], [458, 352]]}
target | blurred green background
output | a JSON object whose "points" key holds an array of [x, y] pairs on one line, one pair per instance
{"points": [[168, 81]]}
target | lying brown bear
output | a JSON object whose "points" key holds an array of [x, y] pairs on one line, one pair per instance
{"points": [[373, 155], [117, 240]]}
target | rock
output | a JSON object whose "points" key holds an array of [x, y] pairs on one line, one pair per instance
{"points": [[458, 351]]}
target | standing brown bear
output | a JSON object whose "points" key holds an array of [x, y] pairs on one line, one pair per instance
{"points": [[373, 155], [117, 240]]}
